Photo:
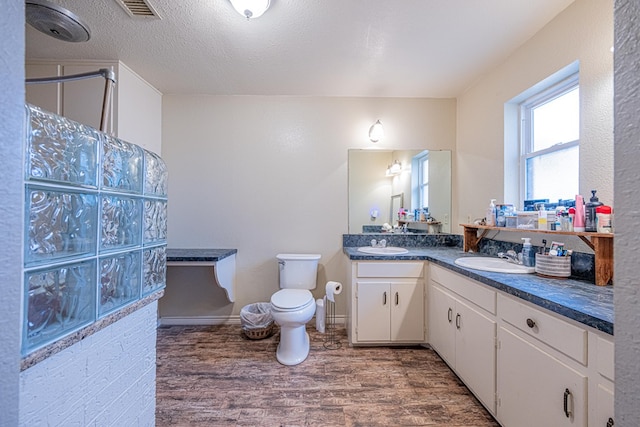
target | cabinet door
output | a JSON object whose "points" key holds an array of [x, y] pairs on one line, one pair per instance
{"points": [[441, 315], [535, 389], [373, 311], [407, 311], [476, 352], [604, 407]]}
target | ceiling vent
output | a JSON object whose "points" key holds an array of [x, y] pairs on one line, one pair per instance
{"points": [[138, 8]]}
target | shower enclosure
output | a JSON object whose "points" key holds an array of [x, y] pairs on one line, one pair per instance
{"points": [[95, 226]]}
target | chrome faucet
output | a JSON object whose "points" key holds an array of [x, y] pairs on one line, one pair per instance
{"points": [[381, 244], [510, 256]]}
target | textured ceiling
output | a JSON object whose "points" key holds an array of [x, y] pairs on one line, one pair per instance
{"points": [[379, 48]]}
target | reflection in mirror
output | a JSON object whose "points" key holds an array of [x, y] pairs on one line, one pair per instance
{"points": [[397, 203], [423, 177]]}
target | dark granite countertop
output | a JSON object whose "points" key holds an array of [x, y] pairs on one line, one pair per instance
{"points": [[198, 255], [581, 301]]}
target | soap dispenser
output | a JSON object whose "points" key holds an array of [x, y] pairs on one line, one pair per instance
{"points": [[491, 214], [528, 256], [590, 212]]}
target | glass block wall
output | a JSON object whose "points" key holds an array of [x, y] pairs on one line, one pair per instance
{"points": [[95, 226]]}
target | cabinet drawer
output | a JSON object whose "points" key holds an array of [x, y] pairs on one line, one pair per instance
{"points": [[467, 288], [605, 358], [390, 269], [564, 337]]}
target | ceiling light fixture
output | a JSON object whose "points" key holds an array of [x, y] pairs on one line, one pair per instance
{"points": [[251, 9], [376, 132]]}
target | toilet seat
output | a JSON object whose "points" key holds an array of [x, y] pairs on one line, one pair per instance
{"points": [[291, 299]]}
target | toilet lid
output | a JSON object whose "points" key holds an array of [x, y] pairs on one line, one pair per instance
{"points": [[288, 299]]}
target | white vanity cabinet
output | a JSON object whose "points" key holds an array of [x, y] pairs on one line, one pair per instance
{"points": [[551, 371], [386, 303], [462, 329], [535, 388], [136, 107], [602, 384]]}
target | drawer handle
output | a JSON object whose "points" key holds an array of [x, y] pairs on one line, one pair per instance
{"points": [[610, 423], [457, 320], [450, 315], [384, 298], [567, 394], [531, 323]]}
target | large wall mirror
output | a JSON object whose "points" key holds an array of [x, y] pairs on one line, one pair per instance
{"points": [[381, 180]]}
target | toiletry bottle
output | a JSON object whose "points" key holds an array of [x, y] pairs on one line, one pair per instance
{"points": [[578, 220], [564, 221], [603, 219], [491, 213], [590, 213], [542, 219], [528, 256], [572, 217]]}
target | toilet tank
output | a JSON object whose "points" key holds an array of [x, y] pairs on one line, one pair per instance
{"points": [[298, 271]]}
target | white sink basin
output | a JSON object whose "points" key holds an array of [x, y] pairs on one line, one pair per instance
{"points": [[497, 265], [389, 250]]}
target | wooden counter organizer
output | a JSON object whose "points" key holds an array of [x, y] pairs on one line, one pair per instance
{"points": [[601, 243]]}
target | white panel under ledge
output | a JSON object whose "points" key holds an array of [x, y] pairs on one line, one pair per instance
{"points": [[223, 262]]}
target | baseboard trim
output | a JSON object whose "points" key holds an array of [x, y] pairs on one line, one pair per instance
{"points": [[213, 320], [199, 320]]}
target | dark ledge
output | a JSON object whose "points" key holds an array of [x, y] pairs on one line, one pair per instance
{"points": [[198, 255]]}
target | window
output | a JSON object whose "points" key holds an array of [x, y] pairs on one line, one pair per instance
{"points": [[422, 161], [550, 136]]}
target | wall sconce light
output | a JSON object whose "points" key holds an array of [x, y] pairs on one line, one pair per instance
{"points": [[376, 132], [394, 169], [251, 9]]}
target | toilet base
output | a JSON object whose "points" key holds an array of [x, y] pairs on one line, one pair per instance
{"points": [[293, 347]]}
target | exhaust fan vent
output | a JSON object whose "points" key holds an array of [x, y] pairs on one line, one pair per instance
{"points": [[138, 8]]}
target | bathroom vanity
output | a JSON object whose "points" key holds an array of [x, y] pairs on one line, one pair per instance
{"points": [[534, 351], [386, 303]]}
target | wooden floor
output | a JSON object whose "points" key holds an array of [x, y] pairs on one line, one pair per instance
{"points": [[214, 376]]}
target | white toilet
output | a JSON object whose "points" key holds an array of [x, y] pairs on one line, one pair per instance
{"points": [[293, 306]]}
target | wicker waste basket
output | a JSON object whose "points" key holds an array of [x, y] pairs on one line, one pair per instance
{"points": [[257, 321]]}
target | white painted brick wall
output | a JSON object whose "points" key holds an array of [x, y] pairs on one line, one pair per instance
{"points": [[107, 379]]}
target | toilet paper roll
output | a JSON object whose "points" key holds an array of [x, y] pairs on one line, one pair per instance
{"points": [[332, 289]]}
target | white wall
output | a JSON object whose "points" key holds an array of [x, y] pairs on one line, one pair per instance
{"points": [[583, 32], [107, 379], [268, 175], [139, 122], [11, 208]]}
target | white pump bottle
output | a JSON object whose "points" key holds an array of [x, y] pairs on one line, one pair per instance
{"points": [[490, 218]]}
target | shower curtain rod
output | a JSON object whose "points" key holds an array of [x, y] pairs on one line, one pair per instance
{"points": [[110, 80]]}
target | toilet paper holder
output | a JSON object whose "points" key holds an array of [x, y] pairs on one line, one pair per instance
{"points": [[331, 341]]}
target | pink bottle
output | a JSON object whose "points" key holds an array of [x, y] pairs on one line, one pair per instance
{"points": [[578, 220]]}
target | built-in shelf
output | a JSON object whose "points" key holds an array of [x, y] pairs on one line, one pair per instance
{"points": [[601, 243], [223, 262]]}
